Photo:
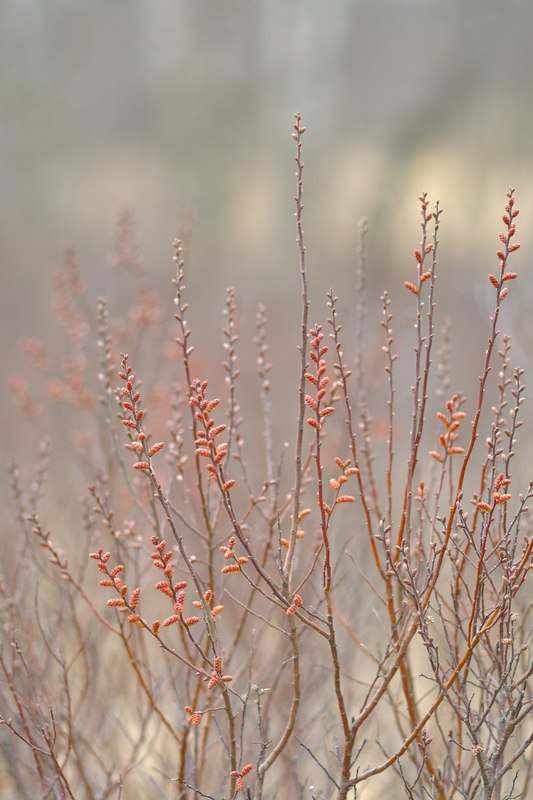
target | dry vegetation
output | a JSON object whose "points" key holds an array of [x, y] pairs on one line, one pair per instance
{"points": [[345, 616]]}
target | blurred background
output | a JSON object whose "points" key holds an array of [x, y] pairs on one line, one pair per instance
{"points": [[182, 112]]}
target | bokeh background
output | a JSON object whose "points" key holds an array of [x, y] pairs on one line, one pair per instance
{"points": [[184, 107]]}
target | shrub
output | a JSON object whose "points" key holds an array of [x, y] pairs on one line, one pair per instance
{"points": [[218, 623]]}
